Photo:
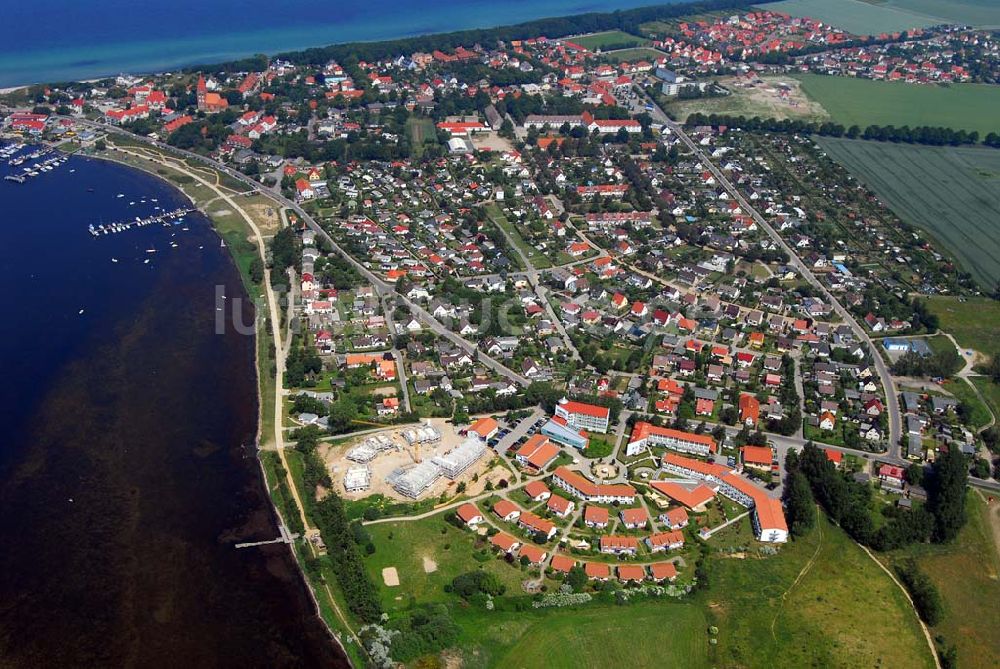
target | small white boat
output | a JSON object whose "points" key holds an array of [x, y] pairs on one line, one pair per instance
{"points": [[150, 250], [114, 260], [146, 261], [80, 312], [121, 194]]}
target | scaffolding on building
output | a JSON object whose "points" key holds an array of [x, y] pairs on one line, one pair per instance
{"points": [[413, 481]]}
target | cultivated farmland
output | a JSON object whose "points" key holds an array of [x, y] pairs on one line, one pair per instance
{"points": [[980, 13], [865, 102], [856, 16], [951, 193]]}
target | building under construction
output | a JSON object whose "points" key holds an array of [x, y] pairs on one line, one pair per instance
{"points": [[371, 447], [358, 478], [424, 434], [460, 458], [413, 481]]}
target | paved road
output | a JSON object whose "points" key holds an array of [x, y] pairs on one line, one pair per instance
{"points": [[892, 396]]}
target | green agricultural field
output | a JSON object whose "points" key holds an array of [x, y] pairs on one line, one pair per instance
{"points": [[980, 13], [952, 193], [608, 40], [822, 603], [865, 102], [856, 16], [414, 546], [967, 574]]}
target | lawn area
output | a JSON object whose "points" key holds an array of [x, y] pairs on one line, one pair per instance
{"points": [[646, 634], [410, 543], [990, 392], [980, 415], [856, 16], [952, 193], [844, 611], [866, 102], [420, 131], [966, 573], [610, 39], [973, 321]]}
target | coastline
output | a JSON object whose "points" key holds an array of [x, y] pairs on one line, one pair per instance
{"points": [[261, 339]]}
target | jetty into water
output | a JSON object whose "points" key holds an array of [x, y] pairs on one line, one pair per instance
{"points": [[285, 538], [163, 218]]}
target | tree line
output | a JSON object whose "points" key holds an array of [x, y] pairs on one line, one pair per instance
{"points": [[928, 135], [813, 478]]}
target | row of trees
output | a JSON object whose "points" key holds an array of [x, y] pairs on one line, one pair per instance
{"points": [[359, 590], [931, 135]]}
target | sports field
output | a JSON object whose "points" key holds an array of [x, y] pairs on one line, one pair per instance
{"points": [[953, 193], [632, 55], [856, 16], [865, 102], [611, 39]]}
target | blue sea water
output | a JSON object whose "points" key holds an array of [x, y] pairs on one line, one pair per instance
{"points": [[60, 40]]}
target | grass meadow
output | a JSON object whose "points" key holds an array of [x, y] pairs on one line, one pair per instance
{"points": [[967, 574], [822, 603], [952, 193]]}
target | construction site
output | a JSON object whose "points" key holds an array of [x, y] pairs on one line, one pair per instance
{"points": [[408, 463]]}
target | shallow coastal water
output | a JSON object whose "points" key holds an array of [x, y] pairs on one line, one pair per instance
{"points": [[61, 40], [127, 469]]}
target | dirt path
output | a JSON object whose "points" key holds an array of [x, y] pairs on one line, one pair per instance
{"points": [[902, 588], [993, 518], [802, 572]]}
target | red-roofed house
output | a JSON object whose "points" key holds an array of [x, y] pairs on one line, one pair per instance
{"points": [[665, 541], [507, 510], [596, 516], [663, 571], [537, 491], [635, 518], [470, 514], [560, 506]]}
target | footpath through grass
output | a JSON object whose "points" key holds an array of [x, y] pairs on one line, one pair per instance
{"points": [[537, 258], [843, 611]]}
